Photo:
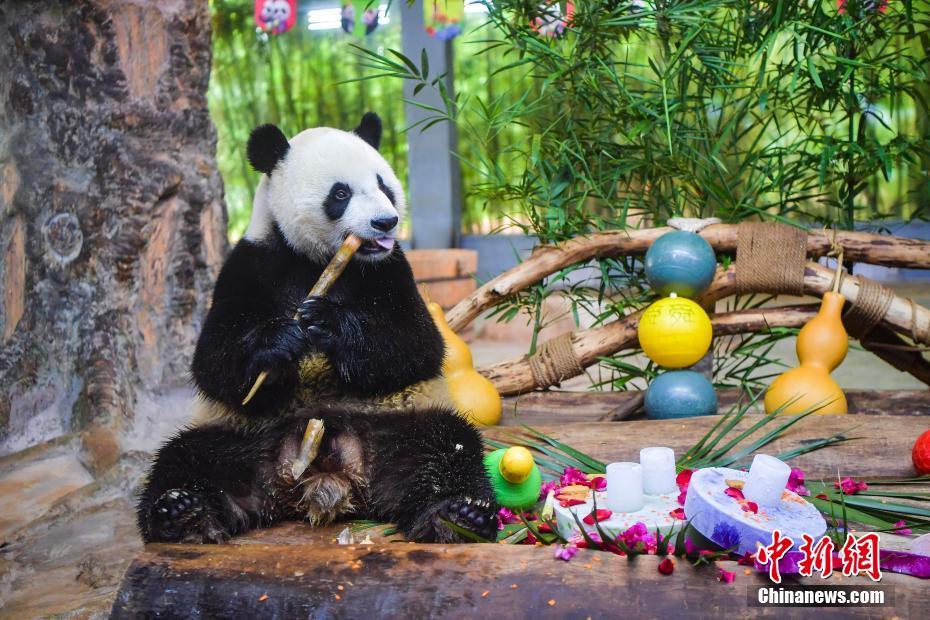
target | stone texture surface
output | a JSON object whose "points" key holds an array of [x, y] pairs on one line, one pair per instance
{"points": [[112, 227]]}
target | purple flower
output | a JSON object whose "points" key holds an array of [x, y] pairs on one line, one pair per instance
{"points": [[796, 482], [565, 553]]}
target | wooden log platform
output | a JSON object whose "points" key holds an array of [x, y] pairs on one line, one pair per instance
{"points": [[560, 407], [293, 570]]}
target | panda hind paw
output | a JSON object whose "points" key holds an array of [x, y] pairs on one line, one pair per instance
{"points": [[477, 516], [181, 516]]}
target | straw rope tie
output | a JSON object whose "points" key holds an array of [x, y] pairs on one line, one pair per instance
{"points": [[554, 361], [870, 307], [919, 333], [770, 257]]}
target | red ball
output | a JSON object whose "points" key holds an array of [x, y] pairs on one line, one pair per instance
{"points": [[921, 454]]}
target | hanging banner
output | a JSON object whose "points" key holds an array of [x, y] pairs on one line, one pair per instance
{"points": [[443, 18], [553, 19], [368, 9], [275, 16]]}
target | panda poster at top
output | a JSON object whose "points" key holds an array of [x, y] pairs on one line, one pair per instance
{"points": [[275, 16]]}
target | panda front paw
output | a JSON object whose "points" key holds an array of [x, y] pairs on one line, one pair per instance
{"points": [[318, 318], [280, 352], [182, 516], [478, 516]]}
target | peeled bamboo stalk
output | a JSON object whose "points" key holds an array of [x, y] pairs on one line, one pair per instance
{"points": [[515, 377], [329, 276], [546, 260]]}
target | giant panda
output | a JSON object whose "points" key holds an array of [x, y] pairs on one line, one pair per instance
{"points": [[229, 472]]}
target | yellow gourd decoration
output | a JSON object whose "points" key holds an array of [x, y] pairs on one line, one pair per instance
{"points": [[822, 346], [472, 394]]}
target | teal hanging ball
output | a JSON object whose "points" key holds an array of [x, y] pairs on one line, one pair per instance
{"points": [[680, 262], [680, 394]]}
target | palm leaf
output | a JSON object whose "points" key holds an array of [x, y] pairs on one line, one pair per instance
{"points": [[593, 463]]}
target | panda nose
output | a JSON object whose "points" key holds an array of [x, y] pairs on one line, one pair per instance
{"points": [[384, 224]]}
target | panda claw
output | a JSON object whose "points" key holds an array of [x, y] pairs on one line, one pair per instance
{"points": [[475, 515]]}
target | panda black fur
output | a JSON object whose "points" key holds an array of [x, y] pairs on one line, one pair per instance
{"points": [[230, 475]]}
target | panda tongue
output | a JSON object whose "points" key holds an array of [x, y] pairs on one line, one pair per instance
{"points": [[385, 242]]}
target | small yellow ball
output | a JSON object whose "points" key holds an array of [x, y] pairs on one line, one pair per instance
{"points": [[516, 464], [674, 332]]}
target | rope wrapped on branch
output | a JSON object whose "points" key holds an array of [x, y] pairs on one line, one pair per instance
{"points": [[902, 316], [770, 257], [546, 260]]}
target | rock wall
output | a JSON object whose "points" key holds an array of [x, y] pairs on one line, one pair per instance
{"points": [[112, 225]]}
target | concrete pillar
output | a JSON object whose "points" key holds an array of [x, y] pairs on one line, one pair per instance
{"points": [[435, 181]]}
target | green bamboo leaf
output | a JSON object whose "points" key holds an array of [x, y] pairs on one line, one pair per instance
{"points": [[815, 76], [461, 531], [596, 465], [516, 537]]}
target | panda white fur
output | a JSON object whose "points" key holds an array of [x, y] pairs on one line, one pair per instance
{"points": [[229, 475]]}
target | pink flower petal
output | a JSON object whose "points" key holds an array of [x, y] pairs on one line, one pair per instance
{"points": [[726, 576], [551, 485], [666, 566], [678, 513], [850, 487], [565, 553], [573, 476], [599, 514], [690, 547], [734, 493], [796, 482], [900, 529]]}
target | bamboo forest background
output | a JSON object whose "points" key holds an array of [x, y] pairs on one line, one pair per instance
{"points": [[837, 131], [308, 78]]}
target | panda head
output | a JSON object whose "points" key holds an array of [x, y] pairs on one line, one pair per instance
{"points": [[322, 185]]}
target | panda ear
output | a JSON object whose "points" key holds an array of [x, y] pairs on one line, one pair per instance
{"points": [[267, 146], [369, 129]]}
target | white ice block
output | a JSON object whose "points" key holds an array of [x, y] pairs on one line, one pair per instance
{"points": [[768, 477], [722, 518], [656, 514], [658, 470], [624, 487]]}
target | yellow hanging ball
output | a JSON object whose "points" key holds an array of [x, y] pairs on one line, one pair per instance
{"points": [[516, 464], [674, 332]]}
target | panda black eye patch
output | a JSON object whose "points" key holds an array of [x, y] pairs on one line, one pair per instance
{"points": [[385, 189], [337, 200]]}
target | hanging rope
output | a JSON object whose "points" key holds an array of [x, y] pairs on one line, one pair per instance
{"points": [[554, 361], [770, 257]]}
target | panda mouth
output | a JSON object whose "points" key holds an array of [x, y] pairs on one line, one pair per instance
{"points": [[377, 246]]}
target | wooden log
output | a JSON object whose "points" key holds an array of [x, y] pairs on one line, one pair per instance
{"points": [[449, 581], [546, 260], [890, 347], [515, 377], [294, 570], [883, 448], [554, 407]]}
